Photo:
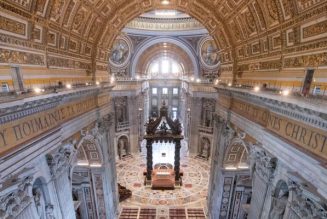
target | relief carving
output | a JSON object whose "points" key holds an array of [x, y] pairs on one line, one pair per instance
{"points": [[59, 160], [13, 26], [306, 61], [315, 29], [57, 10], [272, 10], [16, 197], [80, 20], [10, 56]]}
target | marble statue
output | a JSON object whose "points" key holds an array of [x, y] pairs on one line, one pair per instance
{"points": [[122, 147], [49, 211], [205, 148], [39, 202], [279, 205]]}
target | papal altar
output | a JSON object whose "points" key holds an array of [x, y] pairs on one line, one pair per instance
{"points": [[163, 143]]}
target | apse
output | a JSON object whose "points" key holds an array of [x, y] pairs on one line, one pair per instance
{"points": [[163, 152]]}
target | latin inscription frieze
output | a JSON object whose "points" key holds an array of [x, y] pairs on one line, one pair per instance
{"points": [[303, 135], [15, 133]]}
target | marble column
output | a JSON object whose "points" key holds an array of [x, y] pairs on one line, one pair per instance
{"points": [[16, 200], [106, 136], [264, 167], [28, 212], [177, 160], [223, 135], [64, 191], [59, 163], [149, 164]]}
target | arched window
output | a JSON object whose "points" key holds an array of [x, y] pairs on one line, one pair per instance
{"points": [[165, 67]]}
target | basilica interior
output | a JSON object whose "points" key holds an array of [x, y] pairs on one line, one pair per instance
{"points": [[163, 109]]}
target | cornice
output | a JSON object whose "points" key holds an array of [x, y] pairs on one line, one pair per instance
{"points": [[300, 110]]}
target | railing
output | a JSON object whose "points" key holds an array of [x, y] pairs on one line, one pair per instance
{"points": [[10, 96], [295, 97], [121, 126], [205, 129]]}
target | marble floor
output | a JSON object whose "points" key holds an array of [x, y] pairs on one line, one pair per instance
{"points": [[192, 194]]}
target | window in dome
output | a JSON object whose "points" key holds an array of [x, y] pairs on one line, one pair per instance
{"points": [[165, 67]]}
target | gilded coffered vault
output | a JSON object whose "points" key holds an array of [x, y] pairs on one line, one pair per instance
{"points": [[84, 31]]}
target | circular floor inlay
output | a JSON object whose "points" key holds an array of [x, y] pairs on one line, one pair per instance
{"points": [[193, 192]]}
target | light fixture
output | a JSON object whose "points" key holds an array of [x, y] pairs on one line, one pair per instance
{"points": [[198, 80], [95, 165], [87, 84], [38, 90], [256, 88], [192, 78], [82, 163], [97, 83], [112, 79], [68, 86], [137, 77], [230, 168], [216, 82], [165, 2], [285, 92], [229, 84], [243, 167], [165, 13]]}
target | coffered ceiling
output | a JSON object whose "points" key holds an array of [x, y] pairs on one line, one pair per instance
{"points": [[87, 28]]}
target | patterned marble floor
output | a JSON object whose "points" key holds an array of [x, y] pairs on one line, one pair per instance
{"points": [[193, 193]]}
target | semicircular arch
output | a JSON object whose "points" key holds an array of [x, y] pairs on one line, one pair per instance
{"points": [[157, 40]]}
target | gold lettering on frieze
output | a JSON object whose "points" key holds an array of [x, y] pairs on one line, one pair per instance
{"points": [[15, 133], [13, 26], [307, 137]]}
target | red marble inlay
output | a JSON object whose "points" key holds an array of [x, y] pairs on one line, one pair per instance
{"points": [[137, 185], [188, 186]]}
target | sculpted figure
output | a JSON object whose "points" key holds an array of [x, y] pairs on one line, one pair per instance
{"points": [[279, 205], [122, 148], [39, 203]]}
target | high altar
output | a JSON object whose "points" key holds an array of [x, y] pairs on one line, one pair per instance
{"points": [[163, 129]]}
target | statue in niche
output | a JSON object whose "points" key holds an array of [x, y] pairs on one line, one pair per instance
{"points": [[122, 147], [39, 202], [279, 205], [49, 211], [208, 118], [205, 148]]}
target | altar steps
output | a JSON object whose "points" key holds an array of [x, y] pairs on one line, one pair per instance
{"points": [[127, 157], [162, 213]]}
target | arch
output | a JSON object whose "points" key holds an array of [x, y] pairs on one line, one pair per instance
{"points": [[90, 148], [236, 155], [153, 41], [201, 10]]}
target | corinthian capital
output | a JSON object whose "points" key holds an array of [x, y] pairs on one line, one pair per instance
{"points": [[14, 195], [105, 123], [264, 163], [59, 160]]}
